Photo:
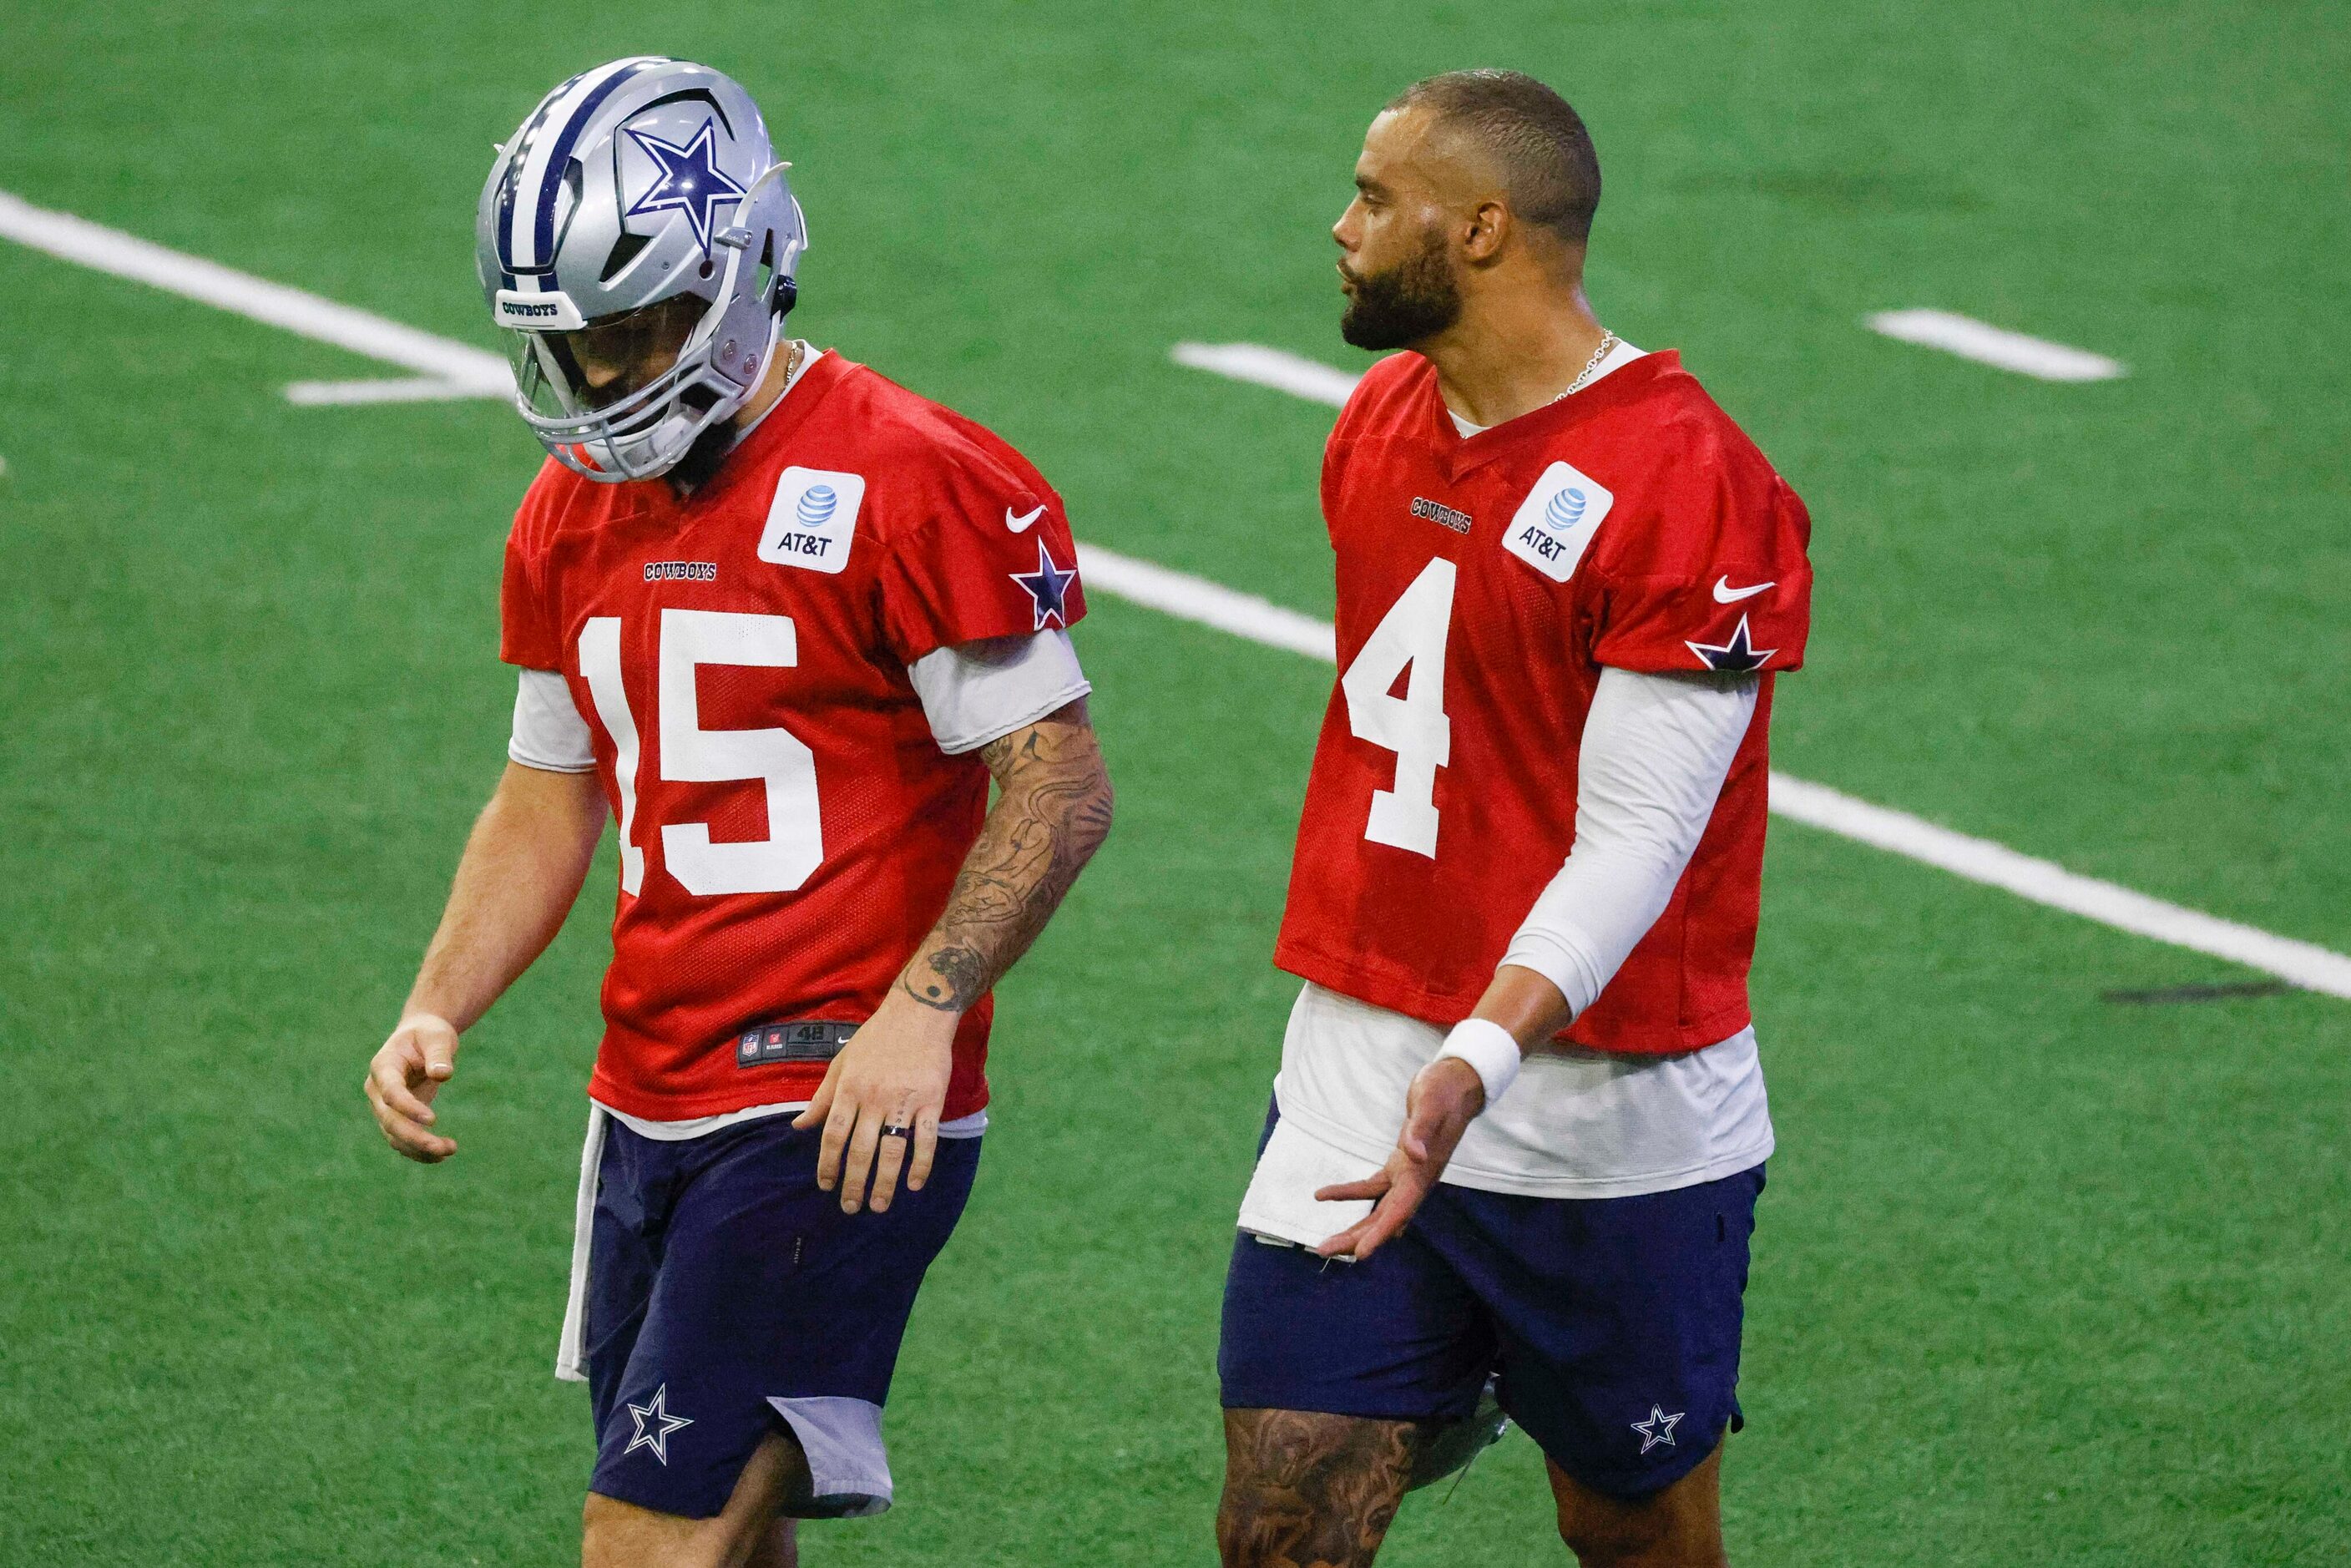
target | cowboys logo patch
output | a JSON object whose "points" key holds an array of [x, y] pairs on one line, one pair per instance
{"points": [[1048, 588], [1735, 652], [654, 1424]]}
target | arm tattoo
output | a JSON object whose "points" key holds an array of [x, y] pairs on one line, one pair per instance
{"points": [[1052, 814], [1307, 1490]]}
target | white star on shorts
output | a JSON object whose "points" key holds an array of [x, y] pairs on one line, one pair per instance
{"points": [[1657, 1428], [654, 1424]]}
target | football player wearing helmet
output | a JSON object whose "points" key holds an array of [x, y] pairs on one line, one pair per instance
{"points": [[784, 622], [1520, 1093]]}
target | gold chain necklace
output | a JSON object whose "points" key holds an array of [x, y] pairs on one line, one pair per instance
{"points": [[1608, 341]]}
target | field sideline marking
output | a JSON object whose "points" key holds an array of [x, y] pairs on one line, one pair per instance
{"points": [[1977, 860], [451, 369], [1989, 345], [1292, 374], [456, 369]]}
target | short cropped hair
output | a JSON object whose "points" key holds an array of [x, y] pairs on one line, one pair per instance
{"points": [[1549, 168]]}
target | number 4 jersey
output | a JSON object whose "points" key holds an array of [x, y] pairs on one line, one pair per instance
{"points": [[790, 825], [1483, 583]]}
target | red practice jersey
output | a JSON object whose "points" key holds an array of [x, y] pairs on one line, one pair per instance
{"points": [[789, 829], [1483, 583]]}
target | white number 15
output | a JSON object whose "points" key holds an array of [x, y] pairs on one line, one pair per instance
{"points": [[690, 754]]}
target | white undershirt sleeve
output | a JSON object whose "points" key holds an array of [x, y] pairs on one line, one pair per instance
{"points": [[548, 733], [977, 691], [1655, 750]]}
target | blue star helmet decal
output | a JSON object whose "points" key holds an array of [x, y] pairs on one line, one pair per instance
{"points": [[1738, 654], [1049, 586], [691, 181]]}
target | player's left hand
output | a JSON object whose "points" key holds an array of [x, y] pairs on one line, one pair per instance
{"points": [[893, 1072], [1445, 1098]]}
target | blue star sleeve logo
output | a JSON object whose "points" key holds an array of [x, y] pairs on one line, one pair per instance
{"points": [[1048, 588], [1739, 653], [691, 181]]}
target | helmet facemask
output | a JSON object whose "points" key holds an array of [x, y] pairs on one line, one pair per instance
{"points": [[644, 432]]}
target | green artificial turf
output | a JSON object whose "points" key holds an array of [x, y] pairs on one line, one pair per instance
{"points": [[2040, 1278]]}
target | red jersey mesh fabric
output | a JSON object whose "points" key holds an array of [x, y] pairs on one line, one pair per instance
{"points": [[1632, 525], [793, 828]]}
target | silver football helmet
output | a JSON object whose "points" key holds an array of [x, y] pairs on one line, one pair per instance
{"points": [[632, 185]]}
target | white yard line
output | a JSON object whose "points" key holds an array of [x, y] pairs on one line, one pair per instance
{"points": [[420, 388], [1987, 344], [2045, 882], [1189, 598], [456, 369], [1281, 371], [459, 369], [1814, 805]]}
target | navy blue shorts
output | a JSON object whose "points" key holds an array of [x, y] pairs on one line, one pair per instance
{"points": [[726, 1294], [1612, 1325]]}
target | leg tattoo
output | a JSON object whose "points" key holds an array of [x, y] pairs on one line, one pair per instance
{"points": [[1309, 1491]]}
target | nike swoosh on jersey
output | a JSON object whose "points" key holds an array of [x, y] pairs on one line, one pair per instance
{"points": [[1020, 525], [1726, 595]]}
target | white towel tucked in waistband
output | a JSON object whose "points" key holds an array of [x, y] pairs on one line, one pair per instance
{"points": [[571, 1352], [1280, 1202]]}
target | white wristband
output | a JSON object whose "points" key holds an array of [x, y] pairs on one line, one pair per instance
{"points": [[1487, 1047]]}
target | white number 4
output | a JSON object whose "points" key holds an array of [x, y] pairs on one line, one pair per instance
{"points": [[690, 754], [1410, 636]]}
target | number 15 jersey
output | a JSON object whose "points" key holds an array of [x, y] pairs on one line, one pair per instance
{"points": [[1483, 583], [790, 826]]}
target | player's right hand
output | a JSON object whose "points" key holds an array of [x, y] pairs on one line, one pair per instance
{"points": [[1445, 1098], [408, 1071]]}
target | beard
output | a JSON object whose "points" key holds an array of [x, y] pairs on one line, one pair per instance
{"points": [[1414, 299], [704, 457]]}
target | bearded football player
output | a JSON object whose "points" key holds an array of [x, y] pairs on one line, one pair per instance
{"points": [[1519, 1130], [784, 622]]}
